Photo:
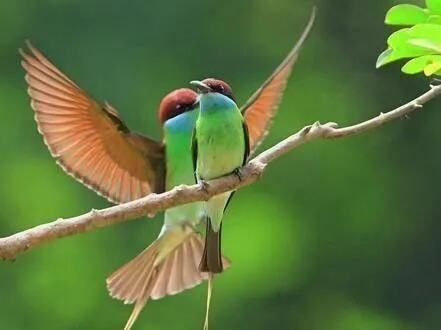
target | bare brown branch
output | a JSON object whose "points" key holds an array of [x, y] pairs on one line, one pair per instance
{"points": [[13, 245]]}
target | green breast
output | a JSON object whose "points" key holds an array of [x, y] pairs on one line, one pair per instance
{"points": [[179, 159], [221, 143]]}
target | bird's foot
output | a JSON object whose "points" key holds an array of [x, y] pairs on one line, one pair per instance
{"points": [[238, 172], [203, 185]]}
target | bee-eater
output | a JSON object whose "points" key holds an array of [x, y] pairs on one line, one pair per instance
{"points": [[220, 147], [170, 264], [91, 143]]}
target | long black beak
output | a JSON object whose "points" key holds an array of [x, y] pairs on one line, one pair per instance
{"points": [[202, 87]]}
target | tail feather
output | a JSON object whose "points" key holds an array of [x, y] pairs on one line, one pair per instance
{"points": [[126, 283], [196, 255], [208, 304], [140, 303], [154, 273], [133, 292], [175, 282], [191, 252], [180, 270], [212, 256], [160, 287]]}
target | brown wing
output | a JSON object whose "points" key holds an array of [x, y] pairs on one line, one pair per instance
{"points": [[259, 110], [89, 140]]}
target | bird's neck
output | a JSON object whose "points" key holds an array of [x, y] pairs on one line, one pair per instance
{"points": [[182, 123], [212, 103]]}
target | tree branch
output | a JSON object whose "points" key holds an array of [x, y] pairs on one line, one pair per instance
{"points": [[15, 244]]}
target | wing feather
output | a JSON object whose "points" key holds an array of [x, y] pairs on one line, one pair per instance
{"points": [[89, 140], [262, 106]]}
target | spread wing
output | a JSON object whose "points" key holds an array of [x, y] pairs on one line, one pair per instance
{"points": [[259, 110], [89, 140]]}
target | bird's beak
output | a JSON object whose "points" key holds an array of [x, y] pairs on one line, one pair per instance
{"points": [[202, 87]]}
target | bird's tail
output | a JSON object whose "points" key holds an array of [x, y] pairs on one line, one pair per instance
{"points": [[211, 261], [168, 266]]}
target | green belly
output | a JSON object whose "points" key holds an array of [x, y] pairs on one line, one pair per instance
{"points": [[221, 144]]}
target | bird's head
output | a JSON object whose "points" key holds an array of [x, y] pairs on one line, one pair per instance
{"points": [[212, 85], [176, 103]]}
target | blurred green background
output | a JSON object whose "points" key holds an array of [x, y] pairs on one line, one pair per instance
{"points": [[338, 235]]}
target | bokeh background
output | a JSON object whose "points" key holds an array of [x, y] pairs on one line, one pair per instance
{"points": [[338, 235]]}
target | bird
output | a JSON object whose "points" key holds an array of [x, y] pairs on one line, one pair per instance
{"points": [[170, 264], [220, 146], [90, 142], [223, 138]]}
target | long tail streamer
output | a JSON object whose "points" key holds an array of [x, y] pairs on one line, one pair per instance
{"points": [[210, 290]]}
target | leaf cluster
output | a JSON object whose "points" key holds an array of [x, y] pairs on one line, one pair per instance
{"points": [[419, 41]]}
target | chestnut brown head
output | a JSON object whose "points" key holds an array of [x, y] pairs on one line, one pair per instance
{"points": [[176, 103], [212, 85]]}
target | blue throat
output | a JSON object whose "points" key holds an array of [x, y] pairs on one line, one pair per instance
{"points": [[182, 123], [212, 102]]}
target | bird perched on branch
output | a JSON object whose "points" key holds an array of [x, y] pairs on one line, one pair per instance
{"points": [[220, 147]]}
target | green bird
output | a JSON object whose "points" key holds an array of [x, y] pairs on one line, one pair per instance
{"points": [[170, 264], [220, 146], [223, 138]]}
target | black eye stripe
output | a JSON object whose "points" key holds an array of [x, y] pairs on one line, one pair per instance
{"points": [[220, 87]]}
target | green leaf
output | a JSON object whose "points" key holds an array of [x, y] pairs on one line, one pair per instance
{"points": [[426, 31], [401, 37], [406, 15], [392, 55], [418, 64], [401, 48], [384, 58], [434, 6], [421, 42], [432, 68], [424, 43], [398, 38]]}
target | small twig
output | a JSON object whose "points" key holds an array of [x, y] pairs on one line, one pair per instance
{"points": [[15, 244]]}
